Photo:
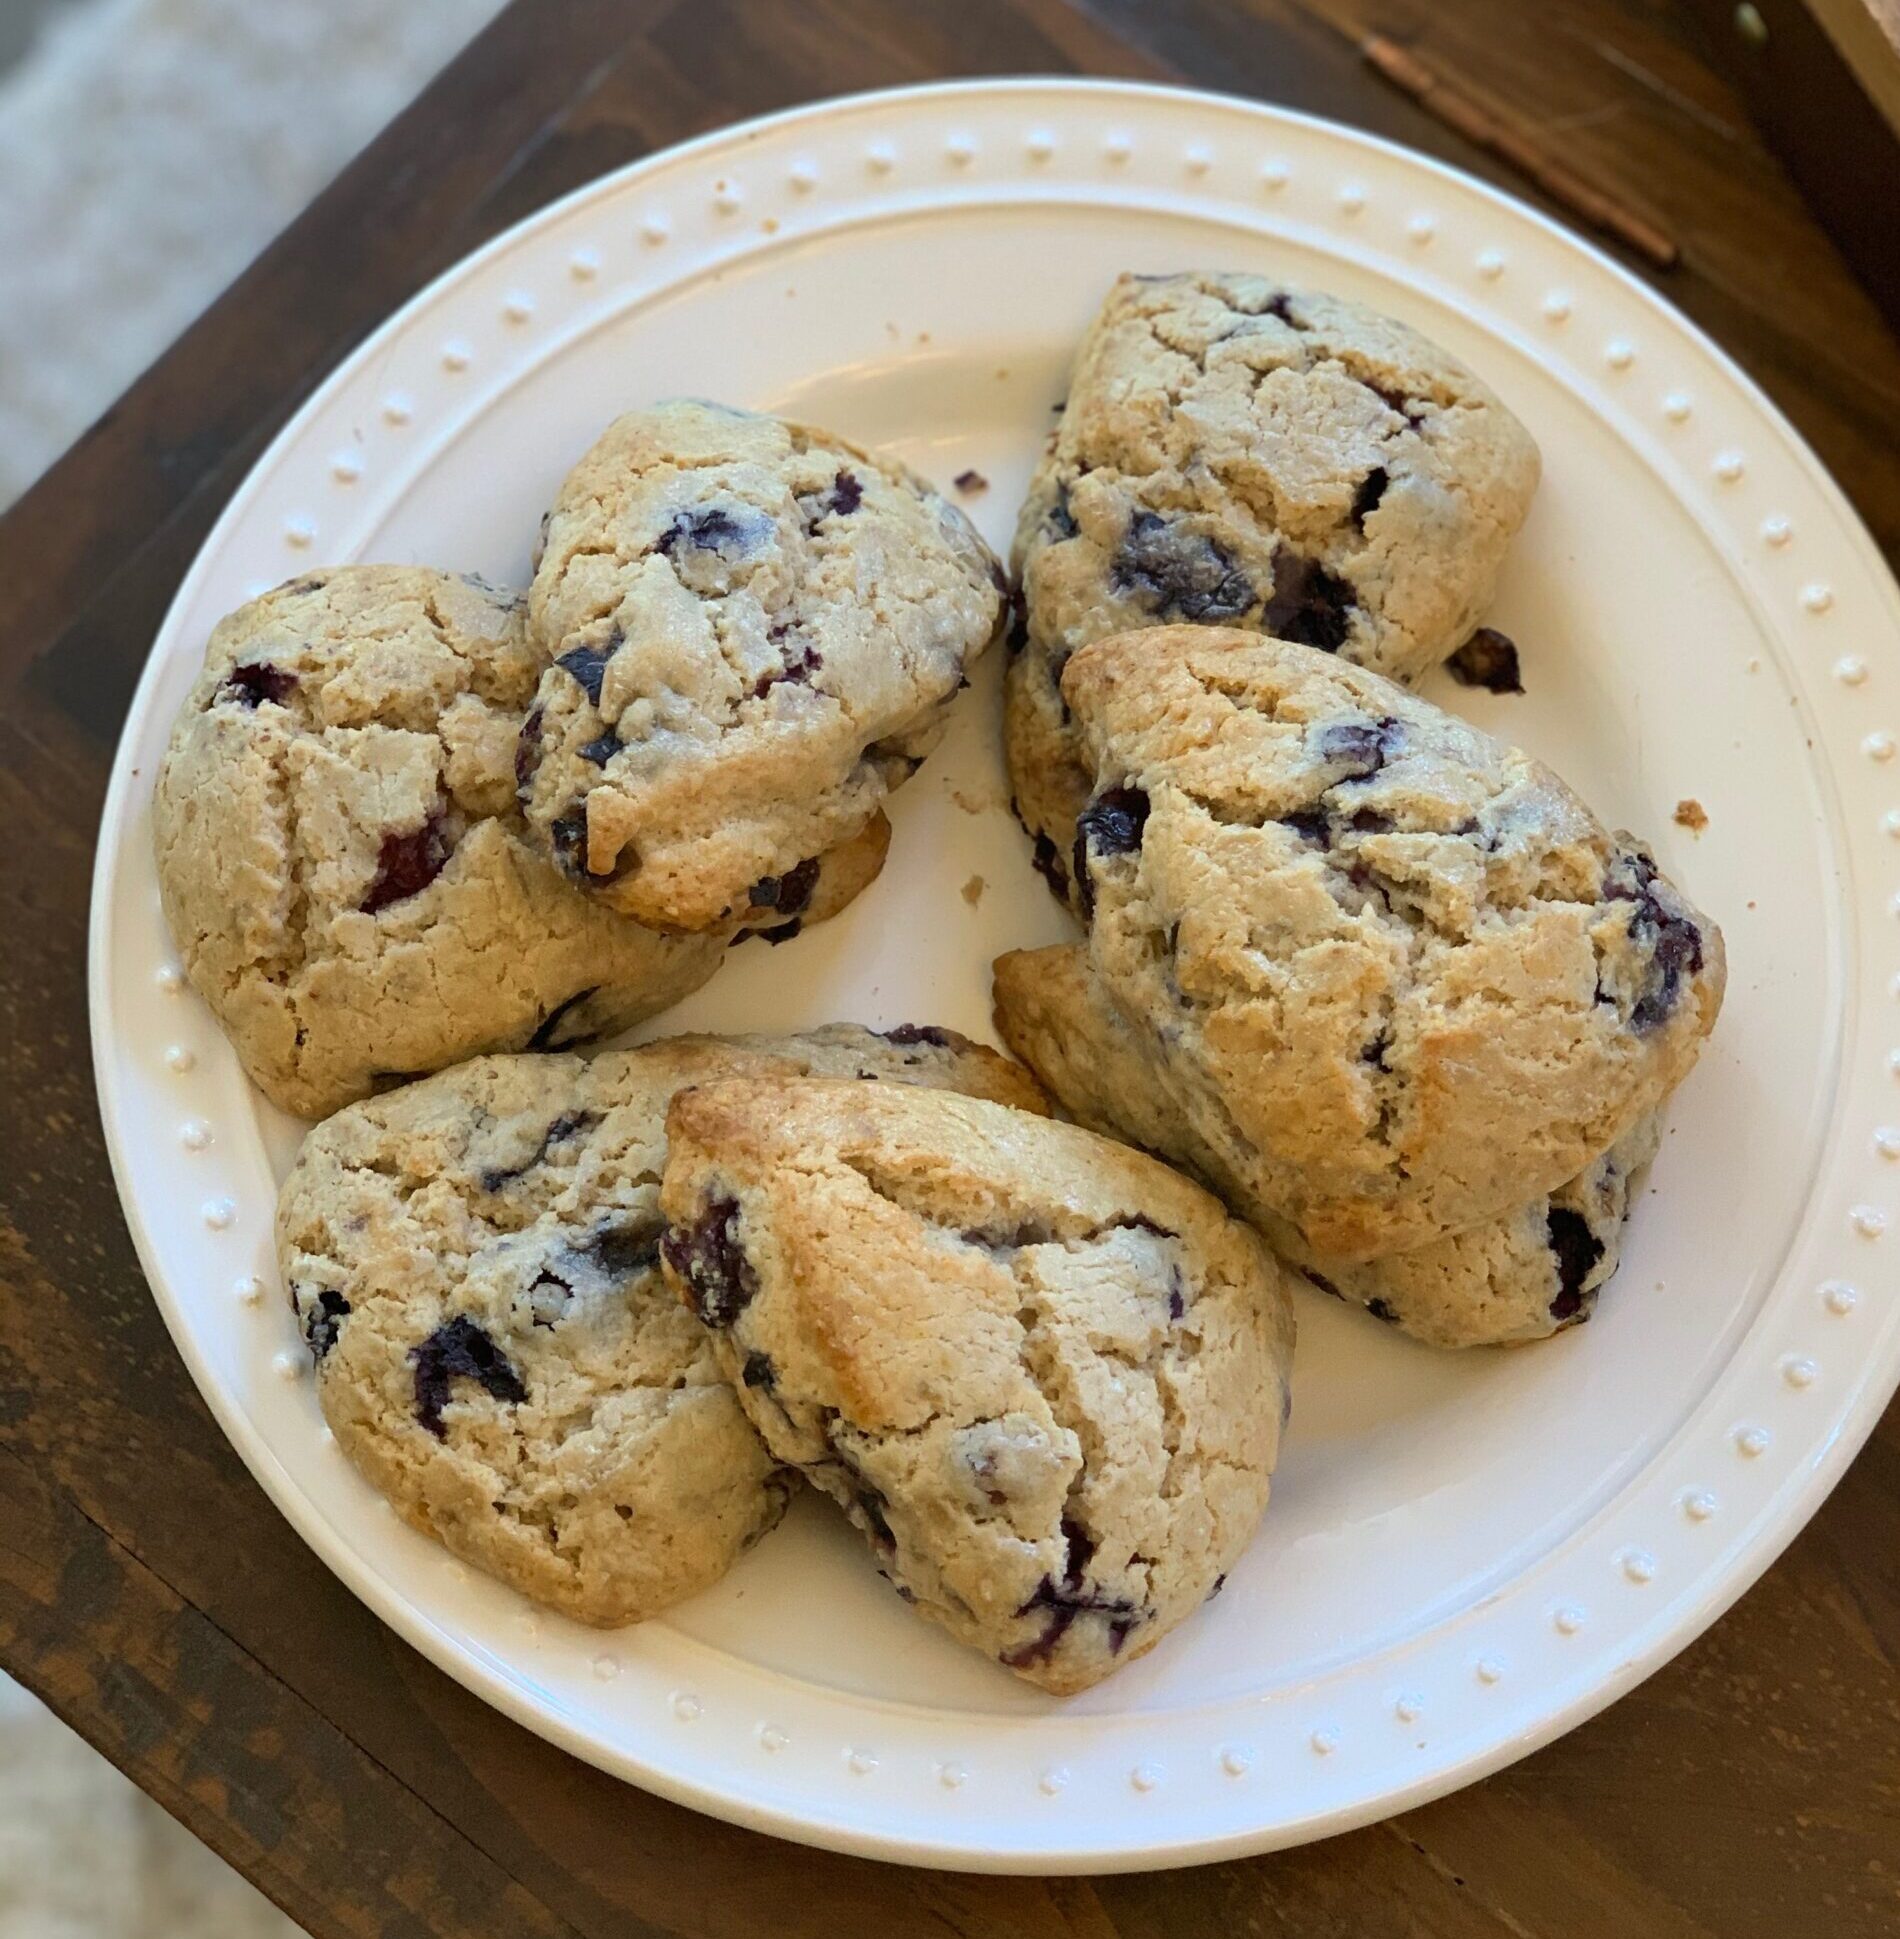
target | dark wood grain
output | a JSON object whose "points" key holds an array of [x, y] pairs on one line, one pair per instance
{"points": [[150, 1592]]}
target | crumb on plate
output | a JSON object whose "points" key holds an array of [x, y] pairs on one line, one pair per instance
{"points": [[1691, 814]]}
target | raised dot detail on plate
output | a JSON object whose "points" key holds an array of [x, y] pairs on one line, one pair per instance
{"points": [[1638, 1565], [1352, 199], [1117, 146], [299, 532], [326, 1436], [397, 408], [1618, 354], [960, 150], [528, 1623], [584, 265], [248, 1288], [951, 1776], [1890, 822], [1408, 1707], [1728, 466], [194, 1134], [1236, 1761], [1568, 1619], [1489, 1669], [1887, 1140], [1776, 531], [1557, 306], [1850, 670], [287, 1365], [861, 1761], [803, 175], [1274, 174], [606, 1666], [1868, 1220], [1145, 1776], [880, 157], [1878, 746], [1040, 143], [456, 356], [727, 196], [654, 228], [178, 1058], [1698, 1504], [772, 1738], [1052, 1781], [1839, 1298], [1421, 229], [1324, 1741], [1799, 1371], [170, 978], [1752, 1442], [1676, 407], [1816, 599], [518, 306], [1491, 264], [686, 1706], [1197, 157], [346, 467], [220, 1214]]}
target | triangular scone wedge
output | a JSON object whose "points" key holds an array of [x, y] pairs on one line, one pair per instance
{"points": [[1045, 1376]]}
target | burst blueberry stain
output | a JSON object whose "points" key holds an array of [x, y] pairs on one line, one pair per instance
{"points": [[713, 528], [407, 863], [790, 894], [570, 1124], [460, 1349], [1069, 1600], [588, 664], [1576, 1250], [1175, 574], [707, 1256], [253, 684], [1361, 747], [601, 749], [1672, 938], [1310, 605], [797, 670], [918, 1033]]}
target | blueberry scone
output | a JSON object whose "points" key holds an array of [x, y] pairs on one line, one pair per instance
{"points": [[342, 862], [1395, 971], [473, 1262], [1044, 1376], [1533, 1272], [1237, 452], [754, 631]]}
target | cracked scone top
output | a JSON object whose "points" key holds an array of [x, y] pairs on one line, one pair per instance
{"points": [[1530, 1273], [1393, 967], [473, 1261], [343, 866], [755, 630], [1234, 451], [1045, 1376]]}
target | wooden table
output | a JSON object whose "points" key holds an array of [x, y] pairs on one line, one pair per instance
{"points": [[151, 1594]]}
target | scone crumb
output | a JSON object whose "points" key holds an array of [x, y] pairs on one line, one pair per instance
{"points": [[1488, 660], [972, 801], [969, 483], [1691, 814], [973, 890]]}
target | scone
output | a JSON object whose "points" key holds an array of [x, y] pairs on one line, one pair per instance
{"points": [[1044, 1376], [473, 1262], [343, 866], [1529, 1274], [1395, 971], [1234, 451], [754, 632]]}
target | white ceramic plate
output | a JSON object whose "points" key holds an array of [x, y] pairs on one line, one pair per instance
{"points": [[1465, 1554]]}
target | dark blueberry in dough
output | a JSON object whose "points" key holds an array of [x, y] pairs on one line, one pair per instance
{"points": [[1310, 824], [1395, 400], [1177, 1299], [460, 1349], [601, 749], [1309, 605], [845, 496], [1069, 1600], [548, 1034], [622, 1250], [569, 835], [407, 863], [1048, 862], [1380, 1310], [800, 664], [1361, 747], [1280, 304], [1325, 1285], [1659, 921], [1175, 574], [714, 528], [1110, 825], [323, 1319], [1017, 635], [781, 933], [707, 1255], [790, 894], [871, 1507], [588, 664], [1576, 1249], [1488, 660], [1365, 501], [1374, 1052], [919, 1033], [758, 1372], [251, 685], [570, 1124], [1369, 821], [527, 753], [1059, 521]]}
